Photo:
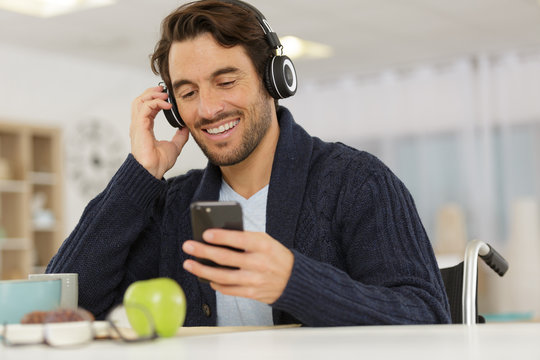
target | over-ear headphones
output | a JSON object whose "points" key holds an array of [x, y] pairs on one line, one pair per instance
{"points": [[280, 75]]}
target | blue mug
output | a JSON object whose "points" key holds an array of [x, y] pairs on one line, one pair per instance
{"points": [[19, 297]]}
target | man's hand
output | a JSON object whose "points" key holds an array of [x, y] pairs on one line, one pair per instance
{"points": [[155, 156], [265, 266]]}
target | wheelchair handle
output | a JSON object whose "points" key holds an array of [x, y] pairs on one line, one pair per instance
{"points": [[495, 261]]}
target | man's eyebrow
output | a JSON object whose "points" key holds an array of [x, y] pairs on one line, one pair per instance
{"points": [[226, 70], [179, 83]]}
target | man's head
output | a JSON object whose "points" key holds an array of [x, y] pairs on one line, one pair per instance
{"points": [[229, 25], [213, 56]]}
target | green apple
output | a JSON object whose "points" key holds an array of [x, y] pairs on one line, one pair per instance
{"points": [[165, 301]]}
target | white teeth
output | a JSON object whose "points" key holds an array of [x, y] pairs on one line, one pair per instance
{"points": [[223, 127]]}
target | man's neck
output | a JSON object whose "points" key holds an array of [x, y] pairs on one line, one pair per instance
{"points": [[252, 174]]}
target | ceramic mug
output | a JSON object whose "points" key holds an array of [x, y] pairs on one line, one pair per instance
{"points": [[19, 297], [70, 287]]}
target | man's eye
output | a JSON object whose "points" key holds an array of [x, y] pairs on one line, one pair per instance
{"points": [[227, 83], [187, 95]]}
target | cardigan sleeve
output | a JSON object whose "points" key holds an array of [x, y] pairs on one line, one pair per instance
{"points": [[113, 240], [390, 275]]}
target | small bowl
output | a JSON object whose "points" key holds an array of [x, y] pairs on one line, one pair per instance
{"points": [[19, 297]]}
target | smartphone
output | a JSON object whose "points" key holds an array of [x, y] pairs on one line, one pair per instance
{"points": [[215, 214]]}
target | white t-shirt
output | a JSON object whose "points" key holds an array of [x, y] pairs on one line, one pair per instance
{"points": [[238, 311]]}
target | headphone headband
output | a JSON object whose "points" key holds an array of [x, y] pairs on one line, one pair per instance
{"points": [[270, 34]]}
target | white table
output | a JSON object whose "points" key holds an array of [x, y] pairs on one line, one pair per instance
{"points": [[488, 341]]}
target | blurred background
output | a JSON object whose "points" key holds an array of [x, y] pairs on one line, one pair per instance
{"points": [[446, 93]]}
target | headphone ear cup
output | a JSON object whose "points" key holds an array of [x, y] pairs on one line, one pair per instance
{"points": [[175, 111], [269, 80], [173, 115], [280, 79]]}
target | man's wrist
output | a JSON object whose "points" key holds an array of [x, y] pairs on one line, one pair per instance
{"points": [[138, 183]]}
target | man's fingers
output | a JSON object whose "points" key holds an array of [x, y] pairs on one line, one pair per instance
{"points": [[151, 95], [244, 283], [217, 254], [152, 107], [153, 99], [264, 267], [236, 239], [218, 275]]}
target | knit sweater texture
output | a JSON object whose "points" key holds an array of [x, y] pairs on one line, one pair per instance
{"points": [[361, 254]]}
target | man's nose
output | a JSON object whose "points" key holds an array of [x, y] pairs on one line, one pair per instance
{"points": [[210, 103]]}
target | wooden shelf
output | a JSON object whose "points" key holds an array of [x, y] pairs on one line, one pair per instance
{"points": [[39, 228], [42, 178], [13, 186], [14, 244], [30, 184]]}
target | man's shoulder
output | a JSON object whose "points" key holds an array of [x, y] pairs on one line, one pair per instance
{"points": [[345, 159]]}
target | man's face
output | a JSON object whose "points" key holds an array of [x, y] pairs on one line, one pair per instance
{"points": [[220, 98]]}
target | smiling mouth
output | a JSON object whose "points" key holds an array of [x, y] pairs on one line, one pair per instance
{"points": [[222, 128]]}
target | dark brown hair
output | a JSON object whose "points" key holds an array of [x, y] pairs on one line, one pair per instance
{"points": [[229, 24]]}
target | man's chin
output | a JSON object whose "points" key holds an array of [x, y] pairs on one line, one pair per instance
{"points": [[224, 161]]}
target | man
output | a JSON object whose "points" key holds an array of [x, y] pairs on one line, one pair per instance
{"points": [[332, 236]]}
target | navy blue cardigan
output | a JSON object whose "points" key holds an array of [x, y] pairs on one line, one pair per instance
{"points": [[361, 254]]}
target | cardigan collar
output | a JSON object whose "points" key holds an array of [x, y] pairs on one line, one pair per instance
{"points": [[287, 181]]}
